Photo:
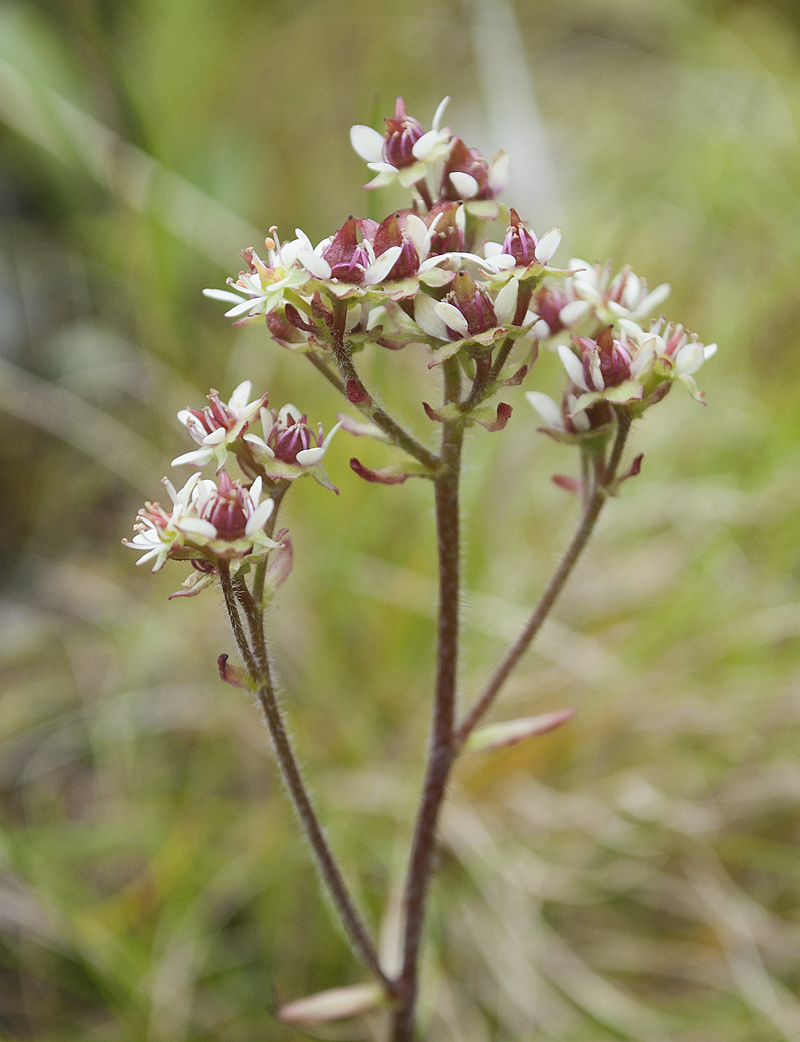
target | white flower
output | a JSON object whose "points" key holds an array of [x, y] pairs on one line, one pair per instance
{"points": [[290, 448], [218, 425], [404, 152], [264, 285], [206, 521], [624, 296], [678, 353], [159, 532]]}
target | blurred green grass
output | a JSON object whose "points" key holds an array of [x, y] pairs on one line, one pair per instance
{"points": [[634, 875]]}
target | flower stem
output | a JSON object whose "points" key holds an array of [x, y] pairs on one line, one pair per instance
{"points": [[357, 393], [441, 751], [593, 504], [258, 665]]}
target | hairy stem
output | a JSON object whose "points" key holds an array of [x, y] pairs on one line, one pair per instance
{"points": [[257, 661], [441, 750], [593, 504], [357, 393]]}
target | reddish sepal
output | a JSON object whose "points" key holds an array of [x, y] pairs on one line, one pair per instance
{"points": [[386, 476]]}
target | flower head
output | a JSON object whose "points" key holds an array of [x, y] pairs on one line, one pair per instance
{"points": [[608, 298], [264, 284], [520, 251], [678, 354], [290, 448], [404, 151], [207, 522], [468, 176], [218, 425]]}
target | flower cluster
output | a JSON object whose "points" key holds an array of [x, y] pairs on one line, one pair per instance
{"points": [[430, 274], [208, 522], [231, 520]]}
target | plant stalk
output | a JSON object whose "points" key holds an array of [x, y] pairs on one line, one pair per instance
{"points": [[441, 749], [593, 504], [257, 662]]}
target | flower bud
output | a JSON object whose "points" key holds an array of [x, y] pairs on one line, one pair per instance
{"points": [[474, 304], [520, 243], [402, 133], [389, 234], [606, 361], [448, 235], [225, 509], [347, 258]]}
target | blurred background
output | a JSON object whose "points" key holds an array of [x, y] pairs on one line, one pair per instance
{"points": [[634, 875]]}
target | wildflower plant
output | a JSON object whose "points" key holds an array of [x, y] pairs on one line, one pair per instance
{"points": [[484, 303]]}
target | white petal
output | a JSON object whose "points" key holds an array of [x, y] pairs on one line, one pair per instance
{"points": [[267, 422], [689, 359], [197, 526], [216, 437], [547, 408], [318, 266], [247, 305], [644, 357], [416, 229], [222, 294], [261, 446], [451, 317], [492, 249], [380, 268], [573, 312], [437, 117], [541, 330], [259, 517], [255, 491], [710, 351], [307, 457], [498, 172], [238, 399], [422, 146], [632, 292], [501, 262], [196, 459], [506, 301], [573, 366], [548, 245], [464, 184], [289, 415], [367, 142], [427, 319], [596, 372]]}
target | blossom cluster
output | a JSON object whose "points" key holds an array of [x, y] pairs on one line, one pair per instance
{"points": [[432, 274], [230, 519], [436, 273]]}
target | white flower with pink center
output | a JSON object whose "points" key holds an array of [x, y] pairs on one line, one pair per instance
{"points": [[219, 424]]}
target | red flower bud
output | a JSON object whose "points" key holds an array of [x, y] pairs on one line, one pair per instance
{"points": [[473, 302], [225, 510], [390, 234], [348, 260], [402, 133], [521, 244]]}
